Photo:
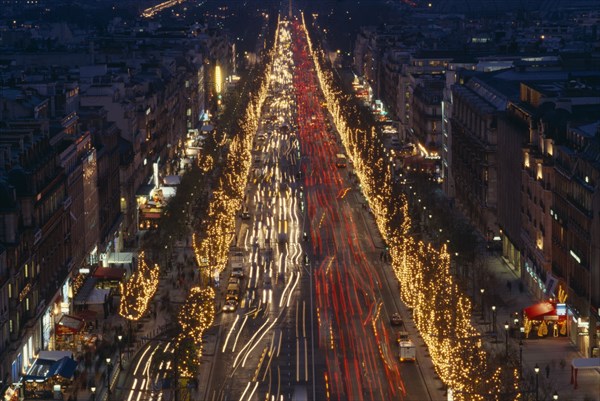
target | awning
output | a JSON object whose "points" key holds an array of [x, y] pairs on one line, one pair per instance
{"points": [[582, 363], [44, 369], [68, 325], [172, 180], [95, 296], [109, 273], [120, 257], [150, 215], [64, 368], [538, 311], [54, 355], [165, 192], [586, 363]]}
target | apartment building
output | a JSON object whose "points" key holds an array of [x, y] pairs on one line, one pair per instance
{"points": [[575, 213], [72, 158]]}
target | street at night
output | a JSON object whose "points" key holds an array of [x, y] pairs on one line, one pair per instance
{"points": [[299, 200]]}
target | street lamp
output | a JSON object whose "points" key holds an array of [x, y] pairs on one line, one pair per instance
{"points": [[93, 390], [536, 369], [120, 338], [555, 396], [506, 325], [482, 308], [521, 359], [494, 319], [108, 372]]}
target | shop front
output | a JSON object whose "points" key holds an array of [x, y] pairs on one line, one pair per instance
{"points": [[49, 375], [68, 331], [545, 319]]}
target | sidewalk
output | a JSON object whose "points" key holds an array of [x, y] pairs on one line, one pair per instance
{"points": [[545, 352], [150, 326], [433, 384], [554, 353]]}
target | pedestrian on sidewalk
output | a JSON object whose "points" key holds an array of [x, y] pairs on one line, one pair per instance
{"points": [[509, 286], [547, 371]]}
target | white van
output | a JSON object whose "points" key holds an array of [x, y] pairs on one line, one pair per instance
{"points": [[237, 270]]}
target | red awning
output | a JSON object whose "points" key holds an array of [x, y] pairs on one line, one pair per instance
{"points": [[109, 273], [68, 325], [538, 311], [148, 215]]}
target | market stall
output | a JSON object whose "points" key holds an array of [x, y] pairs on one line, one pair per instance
{"points": [[68, 331], [47, 378], [545, 319], [108, 277]]}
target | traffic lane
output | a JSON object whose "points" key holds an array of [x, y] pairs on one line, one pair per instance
{"points": [[411, 372], [350, 388], [259, 235], [145, 381], [313, 213], [366, 285], [352, 303]]}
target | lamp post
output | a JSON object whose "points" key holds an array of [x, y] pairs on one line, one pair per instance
{"points": [[536, 369], [482, 291], [506, 325], [521, 359], [93, 390], [120, 338], [108, 372], [555, 396], [494, 319]]}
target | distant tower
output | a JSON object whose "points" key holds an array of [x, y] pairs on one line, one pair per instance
{"points": [[290, 8]]}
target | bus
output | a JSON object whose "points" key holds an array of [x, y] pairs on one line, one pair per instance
{"points": [[340, 160]]}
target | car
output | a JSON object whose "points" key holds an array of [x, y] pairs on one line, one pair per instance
{"points": [[245, 215], [234, 280], [401, 336], [396, 320], [237, 271], [230, 305]]}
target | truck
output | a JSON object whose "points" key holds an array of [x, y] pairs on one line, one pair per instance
{"points": [[407, 351]]}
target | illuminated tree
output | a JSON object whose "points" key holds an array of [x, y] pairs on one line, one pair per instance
{"points": [[137, 292], [442, 313]]}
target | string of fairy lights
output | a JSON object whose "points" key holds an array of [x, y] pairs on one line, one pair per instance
{"points": [[138, 290], [441, 311], [195, 317], [211, 245]]}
